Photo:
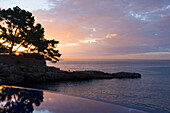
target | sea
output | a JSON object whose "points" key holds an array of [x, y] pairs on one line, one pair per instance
{"points": [[151, 92]]}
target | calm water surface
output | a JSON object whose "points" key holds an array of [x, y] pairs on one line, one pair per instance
{"points": [[22, 100], [152, 91]]}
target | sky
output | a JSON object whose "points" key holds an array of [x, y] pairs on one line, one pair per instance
{"points": [[103, 29]]}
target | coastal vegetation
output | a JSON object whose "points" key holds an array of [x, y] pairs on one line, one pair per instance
{"points": [[18, 29]]}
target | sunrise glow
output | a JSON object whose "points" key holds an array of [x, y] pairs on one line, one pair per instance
{"points": [[82, 27]]}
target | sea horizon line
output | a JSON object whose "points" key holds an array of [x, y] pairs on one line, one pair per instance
{"points": [[69, 59]]}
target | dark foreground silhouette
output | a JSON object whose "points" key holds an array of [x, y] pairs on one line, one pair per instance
{"points": [[17, 100]]}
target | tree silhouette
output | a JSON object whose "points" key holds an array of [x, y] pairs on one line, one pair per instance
{"points": [[14, 25], [3, 49], [19, 100], [17, 27]]}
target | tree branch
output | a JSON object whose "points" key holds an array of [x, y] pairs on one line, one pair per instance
{"points": [[16, 31], [19, 46], [29, 48]]}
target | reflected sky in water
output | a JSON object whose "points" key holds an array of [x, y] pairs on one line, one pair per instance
{"points": [[151, 91], [20, 100]]}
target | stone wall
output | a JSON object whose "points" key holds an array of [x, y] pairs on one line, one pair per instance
{"points": [[22, 61]]}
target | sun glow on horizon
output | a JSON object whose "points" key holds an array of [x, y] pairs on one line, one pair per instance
{"points": [[131, 29], [20, 49]]}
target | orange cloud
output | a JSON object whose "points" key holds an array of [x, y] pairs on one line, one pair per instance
{"points": [[68, 44], [98, 39], [111, 35]]}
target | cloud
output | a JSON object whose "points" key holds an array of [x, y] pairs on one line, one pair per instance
{"points": [[96, 22], [68, 44], [27, 4], [98, 39], [89, 41], [107, 27], [111, 35]]}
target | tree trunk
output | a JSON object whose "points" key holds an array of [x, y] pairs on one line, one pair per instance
{"points": [[11, 48]]}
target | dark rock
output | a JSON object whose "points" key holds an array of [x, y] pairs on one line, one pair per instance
{"points": [[12, 74], [126, 75], [52, 69], [12, 79]]}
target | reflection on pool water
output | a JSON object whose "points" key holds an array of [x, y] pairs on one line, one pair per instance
{"points": [[18, 100], [21, 100]]}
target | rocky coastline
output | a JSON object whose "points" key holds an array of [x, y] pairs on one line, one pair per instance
{"points": [[13, 74]]}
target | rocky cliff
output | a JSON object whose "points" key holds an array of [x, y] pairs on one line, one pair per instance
{"points": [[12, 74]]}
